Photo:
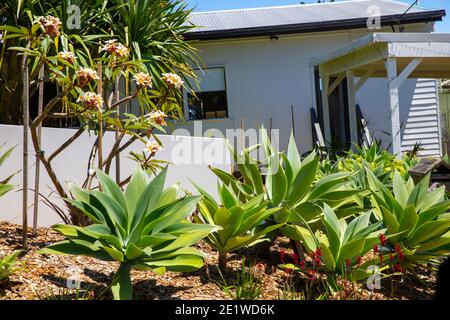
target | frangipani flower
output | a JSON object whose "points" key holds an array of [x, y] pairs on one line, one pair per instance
{"points": [[86, 75], [51, 25], [152, 147], [173, 80], [158, 117], [67, 56], [143, 80], [115, 48], [91, 100]]}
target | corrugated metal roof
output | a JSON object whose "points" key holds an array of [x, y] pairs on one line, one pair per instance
{"points": [[260, 18]]}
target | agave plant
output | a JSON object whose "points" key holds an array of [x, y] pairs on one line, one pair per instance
{"points": [[143, 228], [380, 161], [242, 223], [416, 219], [292, 184], [341, 242]]}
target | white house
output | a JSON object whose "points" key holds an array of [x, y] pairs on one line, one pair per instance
{"points": [[266, 66]]}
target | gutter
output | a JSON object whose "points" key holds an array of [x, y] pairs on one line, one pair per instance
{"points": [[390, 20]]}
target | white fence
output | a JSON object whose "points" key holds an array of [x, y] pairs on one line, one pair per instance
{"points": [[190, 156]]}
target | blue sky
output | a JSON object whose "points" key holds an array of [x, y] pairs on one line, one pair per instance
{"points": [[207, 5]]}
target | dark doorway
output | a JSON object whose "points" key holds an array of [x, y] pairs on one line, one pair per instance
{"points": [[339, 117], [339, 114]]}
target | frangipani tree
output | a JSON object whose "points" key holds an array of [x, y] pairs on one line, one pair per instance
{"points": [[88, 92]]}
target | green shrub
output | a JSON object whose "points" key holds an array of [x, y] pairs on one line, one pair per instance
{"points": [[417, 221], [143, 228]]}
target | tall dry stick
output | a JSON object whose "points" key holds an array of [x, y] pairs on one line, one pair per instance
{"points": [[26, 117], [100, 119], [117, 135], [38, 163]]}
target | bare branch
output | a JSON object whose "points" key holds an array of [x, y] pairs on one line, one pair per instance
{"points": [[66, 144]]}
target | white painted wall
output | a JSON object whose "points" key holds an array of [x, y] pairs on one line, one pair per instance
{"points": [[72, 166], [264, 78]]}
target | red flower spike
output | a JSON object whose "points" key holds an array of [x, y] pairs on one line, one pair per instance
{"points": [[302, 265], [375, 248], [295, 257], [398, 267], [319, 252], [348, 263], [358, 261], [282, 255], [383, 239]]}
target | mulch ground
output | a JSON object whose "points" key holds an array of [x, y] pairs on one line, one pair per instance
{"points": [[45, 276]]}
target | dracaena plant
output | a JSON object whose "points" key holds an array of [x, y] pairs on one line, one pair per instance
{"points": [[292, 184], [341, 242], [242, 222], [143, 228], [416, 219]]}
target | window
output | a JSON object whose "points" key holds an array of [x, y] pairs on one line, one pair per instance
{"points": [[209, 99]]}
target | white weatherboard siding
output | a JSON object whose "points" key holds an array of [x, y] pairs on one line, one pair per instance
{"points": [[264, 78], [422, 122], [70, 166]]}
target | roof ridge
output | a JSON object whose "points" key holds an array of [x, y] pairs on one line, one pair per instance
{"points": [[290, 6]]}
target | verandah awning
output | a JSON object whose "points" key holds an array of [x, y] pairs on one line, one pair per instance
{"points": [[395, 56]]}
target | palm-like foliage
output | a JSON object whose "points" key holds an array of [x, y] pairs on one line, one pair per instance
{"points": [[142, 228], [152, 29], [415, 218]]}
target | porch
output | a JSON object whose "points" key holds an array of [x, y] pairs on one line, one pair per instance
{"points": [[394, 56]]}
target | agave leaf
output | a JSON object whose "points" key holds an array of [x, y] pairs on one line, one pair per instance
{"points": [[293, 156], [400, 190], [134, 189], [276, 181], [428, 231], [112, 190], [302, 182]]}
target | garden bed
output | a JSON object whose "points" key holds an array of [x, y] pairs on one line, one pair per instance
{"points": [[45, 276]]}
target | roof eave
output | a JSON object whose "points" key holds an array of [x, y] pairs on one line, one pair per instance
{"points": [[415, 17]]}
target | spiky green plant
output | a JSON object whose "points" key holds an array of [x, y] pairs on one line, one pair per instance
{"points": [[143, 228], [416, 219], [340, 241], [291, 184], [242, 223]]}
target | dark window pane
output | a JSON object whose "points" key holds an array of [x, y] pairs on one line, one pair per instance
{"points": [[208, 105]]}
